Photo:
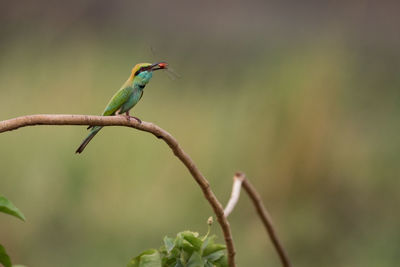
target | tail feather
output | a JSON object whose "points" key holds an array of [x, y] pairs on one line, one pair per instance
{"points": [[85, 142]]}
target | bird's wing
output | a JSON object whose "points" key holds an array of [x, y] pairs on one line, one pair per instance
{"points": [[117, 101]]}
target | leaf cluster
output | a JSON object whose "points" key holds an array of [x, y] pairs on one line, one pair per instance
{"points": [[187, 249]]}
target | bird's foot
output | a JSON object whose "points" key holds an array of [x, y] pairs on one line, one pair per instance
{"points": [[129, 117], [133, 117], [136, 118]]}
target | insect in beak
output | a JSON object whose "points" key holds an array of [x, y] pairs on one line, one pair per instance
{"points": [[159, 66]]}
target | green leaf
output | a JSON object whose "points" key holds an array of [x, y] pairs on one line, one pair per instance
{"points": [[185, 255], [205, 244], [193, 239], [215, 256], [195, 260], [169, 244], [168, 261], [178, 264], [4, 258], [148, 258], [222, 262], [183, 244], [7, 207], [188, 247], [179, 241], [211, 248]]}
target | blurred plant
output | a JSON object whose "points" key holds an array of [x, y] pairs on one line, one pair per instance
{"points": [[6, 206], [186, 249]]}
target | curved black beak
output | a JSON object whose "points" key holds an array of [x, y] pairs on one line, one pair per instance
{"points": [[159, 66]]}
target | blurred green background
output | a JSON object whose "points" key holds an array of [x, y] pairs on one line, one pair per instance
{"points": [[302, 96]]}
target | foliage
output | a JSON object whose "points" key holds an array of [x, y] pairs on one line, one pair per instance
{"points": [[7, 207], [186, 249], [4, 258]]}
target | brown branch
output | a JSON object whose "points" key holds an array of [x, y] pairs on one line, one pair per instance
{"points": [[50, 119], [262, 213]]}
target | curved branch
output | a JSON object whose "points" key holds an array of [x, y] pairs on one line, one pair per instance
{"points": [[52, 119], [263, 214]]}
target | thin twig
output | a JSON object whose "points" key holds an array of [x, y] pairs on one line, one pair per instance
{"points": [[51, 119], [237, 185], [264, 216]]}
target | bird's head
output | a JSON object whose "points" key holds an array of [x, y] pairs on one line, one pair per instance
{"points": [[145, 69]]}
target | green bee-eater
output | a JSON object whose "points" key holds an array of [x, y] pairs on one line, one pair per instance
{"points": [[126, 97]]}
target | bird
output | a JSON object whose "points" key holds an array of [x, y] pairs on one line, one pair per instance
{"points": [[126, 97]]}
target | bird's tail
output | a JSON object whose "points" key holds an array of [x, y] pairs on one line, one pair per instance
{"points": [[93, 132]]}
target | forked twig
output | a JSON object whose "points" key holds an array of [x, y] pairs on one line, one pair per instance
{"points": [[239, 180]]}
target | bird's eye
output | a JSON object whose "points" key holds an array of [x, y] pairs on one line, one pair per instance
{"points": [[139, 71]]}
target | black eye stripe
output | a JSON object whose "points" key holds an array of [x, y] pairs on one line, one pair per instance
{"points": [[140, 70]]}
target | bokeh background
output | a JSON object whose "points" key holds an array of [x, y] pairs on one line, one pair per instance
{"points": [[303, 96]]}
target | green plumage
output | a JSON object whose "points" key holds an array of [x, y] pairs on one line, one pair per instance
{"points": [[125, 98]]}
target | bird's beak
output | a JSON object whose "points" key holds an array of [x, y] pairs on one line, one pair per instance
{"points": [[159, 66]]}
